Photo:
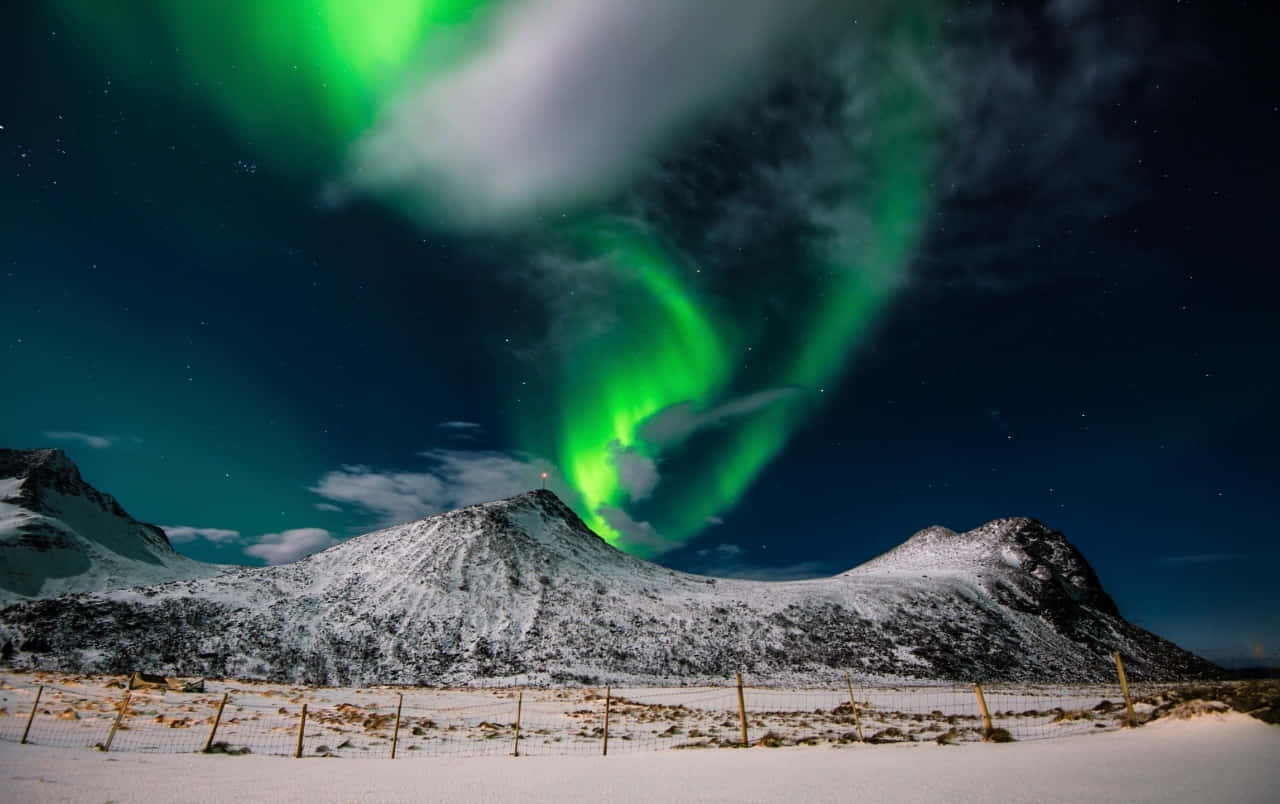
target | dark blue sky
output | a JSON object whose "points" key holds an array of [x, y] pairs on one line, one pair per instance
{"points": [[1084, 333]]}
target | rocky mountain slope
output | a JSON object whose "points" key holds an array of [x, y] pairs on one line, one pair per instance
{"points": [[59, 535], [522, 587]]}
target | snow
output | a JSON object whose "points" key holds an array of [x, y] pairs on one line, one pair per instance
{"points": [[9, 487], [263, 719], [61, 536], [1220, 758], [521, 587]]}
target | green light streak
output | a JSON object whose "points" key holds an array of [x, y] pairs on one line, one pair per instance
{"points": [[671, 353], [665, 350], [302, 78]]}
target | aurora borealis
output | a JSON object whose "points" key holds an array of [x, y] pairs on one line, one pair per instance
{"points": [[302, 79], [333, 70], [762, 289]]}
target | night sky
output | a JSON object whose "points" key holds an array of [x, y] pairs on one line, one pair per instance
{"points": [[763, 290]]}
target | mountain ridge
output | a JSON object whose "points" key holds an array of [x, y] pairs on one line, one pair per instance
{"points": [[521, 586]]}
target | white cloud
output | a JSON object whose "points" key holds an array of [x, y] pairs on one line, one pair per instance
{"points": [[184, 534], [569, 99], [720, 549], [290, 545], [462, 431], [637, 474], [393, 497], [323, 506], [677, 422], [86, 439], [455, 478], [635, 534], [460, 425]]}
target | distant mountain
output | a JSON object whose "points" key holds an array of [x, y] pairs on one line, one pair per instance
{"points": [[521, 586], [59, 535]]}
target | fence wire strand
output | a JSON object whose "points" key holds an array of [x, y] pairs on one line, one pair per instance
{"points": [[482, 720]]}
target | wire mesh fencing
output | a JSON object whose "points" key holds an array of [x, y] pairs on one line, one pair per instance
{"points": [[461, 723], [62, 715], [283, 720], [16, 704]]}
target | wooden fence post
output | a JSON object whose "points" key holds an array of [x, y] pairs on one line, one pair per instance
{"points": [[32, 716], [217, 718], [857, 719], [742, 713], [1130, 718], [395, 733], [605, 752], [519, 703], [982, 707], [302, 725], [111, 735]]}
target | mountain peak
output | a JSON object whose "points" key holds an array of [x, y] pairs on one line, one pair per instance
{"points": [[1016, 552], [548, 504], [58, 534], [537, 514], [45, 474], [16, 461], [37, 464], [992, 540]]}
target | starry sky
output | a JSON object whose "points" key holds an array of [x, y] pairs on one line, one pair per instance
{"points": [[762, 291]]}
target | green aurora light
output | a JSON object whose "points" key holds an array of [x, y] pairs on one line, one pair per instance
{"points": [[304, 79], [669, 348]]}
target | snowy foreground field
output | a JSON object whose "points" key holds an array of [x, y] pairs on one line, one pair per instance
{"points": [[261, 718], [1215, 757], [903, 743]]}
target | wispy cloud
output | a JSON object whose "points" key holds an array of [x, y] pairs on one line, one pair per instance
{"points": [[731, 561], [1204, 558], [392, 497], [637, 473], [721, 549], [290, 545], [453, 479], [641, 535], [185, 534], [85, 439], [569, 99], [462, 430], [460, 426], [678, 422], [324, 506]]}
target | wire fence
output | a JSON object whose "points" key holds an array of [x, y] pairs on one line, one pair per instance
{"points": [[241, 718]]}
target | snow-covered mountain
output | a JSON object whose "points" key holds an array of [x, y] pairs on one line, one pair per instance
{"points": [[59, 535], [522, 587]]}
